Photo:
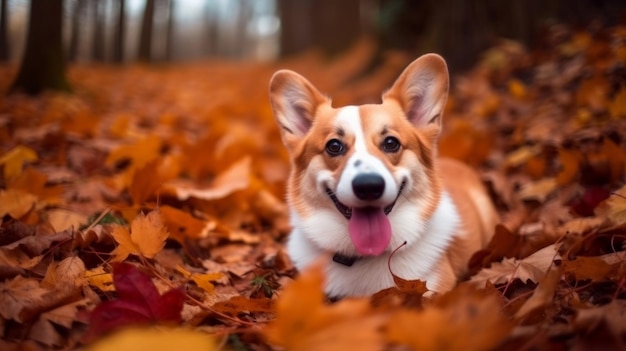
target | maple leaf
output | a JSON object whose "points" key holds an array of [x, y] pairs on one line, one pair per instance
{"points": [[18, 293], [99, 278], [146, 237], [139, 302], [202, 280], [543, 294], [530, 268], [14, 160], [409, 292]]}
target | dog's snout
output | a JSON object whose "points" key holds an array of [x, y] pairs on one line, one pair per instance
{"points": [[368, 186]]}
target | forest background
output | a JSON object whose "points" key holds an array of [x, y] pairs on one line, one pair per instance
{"points": [[142, 175]]}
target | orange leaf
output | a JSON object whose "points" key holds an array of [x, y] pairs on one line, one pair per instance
{"points": [[303, 322], [182, 225], [471, 321], [235, 178], [15, 203], [140, 153], [14, 160], [146, 237], [570, 163]]}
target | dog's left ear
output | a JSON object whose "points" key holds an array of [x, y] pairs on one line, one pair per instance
{"points": [[422, 90]]}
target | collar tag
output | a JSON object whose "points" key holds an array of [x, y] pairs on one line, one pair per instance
{"points": [[347, 261]]}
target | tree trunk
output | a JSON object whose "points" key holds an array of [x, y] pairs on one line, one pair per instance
{"points": [[336, 24], [97, 48], [120, 31], [145, 39], [4, 38], [77, 16], [43, 64], [296, 26], [169, 36]]}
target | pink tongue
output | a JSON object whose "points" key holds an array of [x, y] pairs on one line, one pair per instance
{"points": [[370, 230]]}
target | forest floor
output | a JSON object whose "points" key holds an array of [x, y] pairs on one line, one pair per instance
{"points": [[153, 195]]}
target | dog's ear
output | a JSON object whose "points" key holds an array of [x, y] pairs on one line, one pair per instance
{"points": [[294, 103], [422, 90]]}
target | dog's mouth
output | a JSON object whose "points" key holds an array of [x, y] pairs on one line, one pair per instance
{"points": [[369, 228], [347, 211]]}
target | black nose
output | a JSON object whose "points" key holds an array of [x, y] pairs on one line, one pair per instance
{"points": [[368, 186]]}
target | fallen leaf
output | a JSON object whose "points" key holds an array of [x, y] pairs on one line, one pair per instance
{"points": [[139, 302], [539, 190], [13, 161], [472, 321], [235, 178], [146, 237], [304, 322], [156, 339], [543, 294], [16, 203], [532, 268]]}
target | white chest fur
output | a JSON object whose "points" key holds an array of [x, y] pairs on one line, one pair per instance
{"points": [[424, 256]]}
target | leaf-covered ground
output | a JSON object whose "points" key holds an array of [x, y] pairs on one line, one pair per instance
{"points": [[154, 196]]}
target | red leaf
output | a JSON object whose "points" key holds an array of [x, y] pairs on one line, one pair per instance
{"points": [[138, 302]]}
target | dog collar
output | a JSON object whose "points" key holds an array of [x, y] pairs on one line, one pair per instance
{"points": [[345, 260]]}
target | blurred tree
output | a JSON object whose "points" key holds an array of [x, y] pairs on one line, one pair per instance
{"points": [[4, 38], [43, 63], [336, 24], [145, 38], [120, 31], [327, 24], [212, 31], [296, 26], [169, 36], [460, 30], [77, 16], [97, 43]]}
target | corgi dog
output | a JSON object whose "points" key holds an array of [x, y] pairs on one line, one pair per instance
{"points": [[365, 181]]}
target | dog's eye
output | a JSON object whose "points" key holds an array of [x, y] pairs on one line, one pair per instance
{"points": [[335, 147], [390, 144]]}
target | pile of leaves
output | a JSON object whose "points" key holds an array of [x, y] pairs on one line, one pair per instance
{"points": [[153, 196]]}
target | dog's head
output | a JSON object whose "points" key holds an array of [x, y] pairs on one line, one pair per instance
{"points": [[362, 180]]}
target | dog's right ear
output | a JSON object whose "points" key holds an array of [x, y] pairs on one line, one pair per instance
{"points": [[294, 103]]}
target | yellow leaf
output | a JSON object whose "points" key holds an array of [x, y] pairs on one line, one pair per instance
{"points": [[64, 219], [149, 233], [521, 155], [202, 280], [100, 279], [539, 190], [155, 339], [146, 237], [125, 246], [140, 153], [14, 160], [15, 203]]}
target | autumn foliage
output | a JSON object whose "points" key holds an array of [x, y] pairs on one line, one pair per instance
{"points": [[148, 208]]}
